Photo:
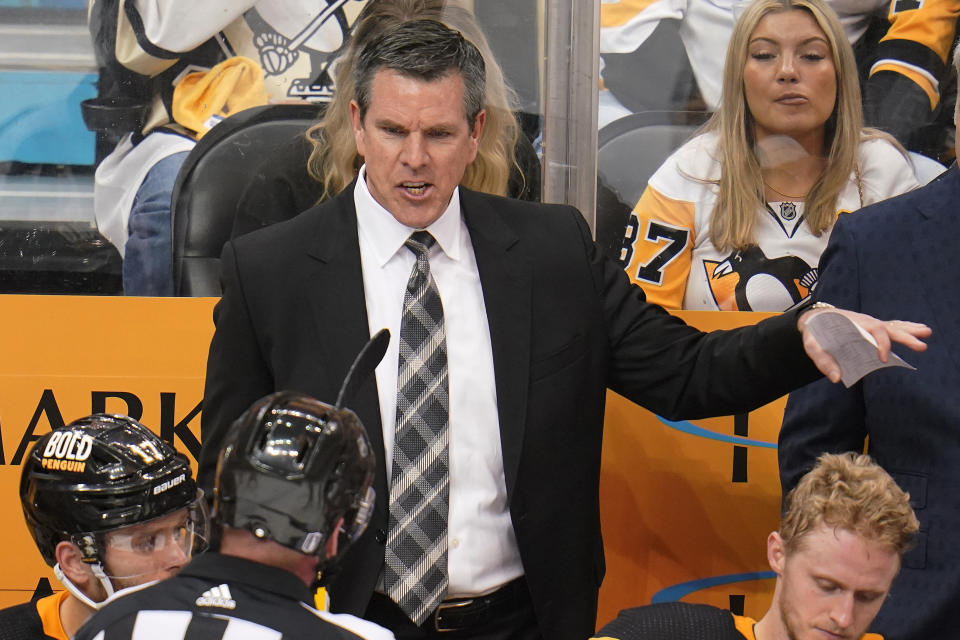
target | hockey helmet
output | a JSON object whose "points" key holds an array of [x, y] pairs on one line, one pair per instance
{"points": [[290, 469], [102, 473]]}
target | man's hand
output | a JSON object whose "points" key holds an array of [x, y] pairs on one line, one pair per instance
{"points": [[884, 332]]}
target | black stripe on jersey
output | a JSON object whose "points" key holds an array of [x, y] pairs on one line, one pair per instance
{"points": [[136, 22], [912, 53], [203, 627], [122, 629]]}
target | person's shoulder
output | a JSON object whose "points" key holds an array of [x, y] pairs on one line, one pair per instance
{"points": [[514, 213], [875, 148], [673, 621], [21, 622], [689, 170], [353, 626], [119, 606], [906, 207]]}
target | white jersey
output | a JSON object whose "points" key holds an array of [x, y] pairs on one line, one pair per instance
{"points": [[294, 42], [668, 251]]}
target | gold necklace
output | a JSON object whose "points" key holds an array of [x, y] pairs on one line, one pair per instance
{"points": [[785, 195]]}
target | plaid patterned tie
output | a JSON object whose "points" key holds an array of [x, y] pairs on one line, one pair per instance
{"points": [[415, 573]]}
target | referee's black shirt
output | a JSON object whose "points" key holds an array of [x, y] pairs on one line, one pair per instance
{"points": [[219, 597]]}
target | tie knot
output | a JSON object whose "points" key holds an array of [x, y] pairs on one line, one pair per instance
{"points": [[420, 242]]}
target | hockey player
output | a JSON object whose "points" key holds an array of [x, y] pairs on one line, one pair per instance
{"points": [[291, 493], [838, 550], [110, 505]]}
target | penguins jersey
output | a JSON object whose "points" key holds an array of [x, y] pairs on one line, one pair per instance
{"points": [[705, 28], [667, 248], [918, 42], [293, 41], [39, 620]]}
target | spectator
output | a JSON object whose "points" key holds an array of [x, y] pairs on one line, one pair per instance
{"points": [[110, 506], [285, 49], [736, 219], [291, 493], [894, 258], [310, 170], [839, 547]]}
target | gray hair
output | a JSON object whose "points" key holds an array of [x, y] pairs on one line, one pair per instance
{"points": [[425, 50]]}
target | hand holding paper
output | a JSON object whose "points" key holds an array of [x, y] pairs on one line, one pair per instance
{"points": [[845, 345]]}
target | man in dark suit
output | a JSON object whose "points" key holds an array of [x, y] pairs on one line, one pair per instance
{"points": [[894, 259], [535, 325]]}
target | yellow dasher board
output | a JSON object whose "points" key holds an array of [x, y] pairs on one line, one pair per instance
{"points": [[686, 507], [63, 357]]}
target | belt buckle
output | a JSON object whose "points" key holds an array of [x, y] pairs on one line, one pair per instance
{"points": [[448, 605]]}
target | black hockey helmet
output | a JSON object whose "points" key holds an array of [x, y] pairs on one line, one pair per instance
{"points": [[98, 474], [290, 468]]}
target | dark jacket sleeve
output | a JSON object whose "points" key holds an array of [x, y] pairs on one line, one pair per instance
{"points": [[235, 349], [676, 371], [823, 417]]}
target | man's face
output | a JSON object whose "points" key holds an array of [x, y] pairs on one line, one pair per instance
{"points": [[153, 550], [832, 586], [416, 143]]}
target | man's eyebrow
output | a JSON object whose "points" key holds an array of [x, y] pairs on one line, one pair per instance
{"points": [[386, 123]]}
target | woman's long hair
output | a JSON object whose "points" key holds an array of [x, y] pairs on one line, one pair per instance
{"points": [[334, 161], [733, 219]]}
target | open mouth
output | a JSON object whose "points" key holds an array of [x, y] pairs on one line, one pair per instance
{"points": [[415, 188]]}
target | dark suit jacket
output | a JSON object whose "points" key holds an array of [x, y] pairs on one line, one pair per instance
{"points": [[565, 324], [898, 259]]}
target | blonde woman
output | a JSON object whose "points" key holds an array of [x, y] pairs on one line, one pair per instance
{"points": [[737, 218], [301, 174]]}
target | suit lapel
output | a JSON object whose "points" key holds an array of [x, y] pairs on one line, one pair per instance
{"points": [[333, 287], [936, 257], [505, 277]]}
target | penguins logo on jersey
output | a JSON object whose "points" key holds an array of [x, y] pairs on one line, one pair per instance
{"points": [[281, 35], [749, 274]]}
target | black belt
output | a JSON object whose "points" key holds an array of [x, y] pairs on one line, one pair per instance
{"points": [[466, 613]]}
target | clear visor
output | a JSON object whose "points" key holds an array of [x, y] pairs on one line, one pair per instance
{"points": [[150, 549]]}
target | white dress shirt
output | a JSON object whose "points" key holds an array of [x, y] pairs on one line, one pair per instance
{"points": [[482, 553]]}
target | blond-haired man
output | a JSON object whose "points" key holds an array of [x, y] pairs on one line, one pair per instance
{"points": [[836, 554]]}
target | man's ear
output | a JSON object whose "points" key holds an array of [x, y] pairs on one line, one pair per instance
{"points": [[334, 539], [79, 572], [776, 552], [356, 122]]}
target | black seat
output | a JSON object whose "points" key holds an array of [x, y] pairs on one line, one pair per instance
{"points": [[630, 150], [211, 182]]}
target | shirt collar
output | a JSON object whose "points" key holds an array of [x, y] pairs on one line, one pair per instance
{"points": [[386, 235]]}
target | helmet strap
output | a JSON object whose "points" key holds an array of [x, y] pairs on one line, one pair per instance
{"points": [[75, 591]]}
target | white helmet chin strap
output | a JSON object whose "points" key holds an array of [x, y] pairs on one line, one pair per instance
{"points": [[80, 595]]}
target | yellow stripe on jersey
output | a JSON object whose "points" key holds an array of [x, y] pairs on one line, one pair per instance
{"points": [[659, 247], [745, 626], [932, 25], [620, 12], [49, 610], [918, 78]]}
